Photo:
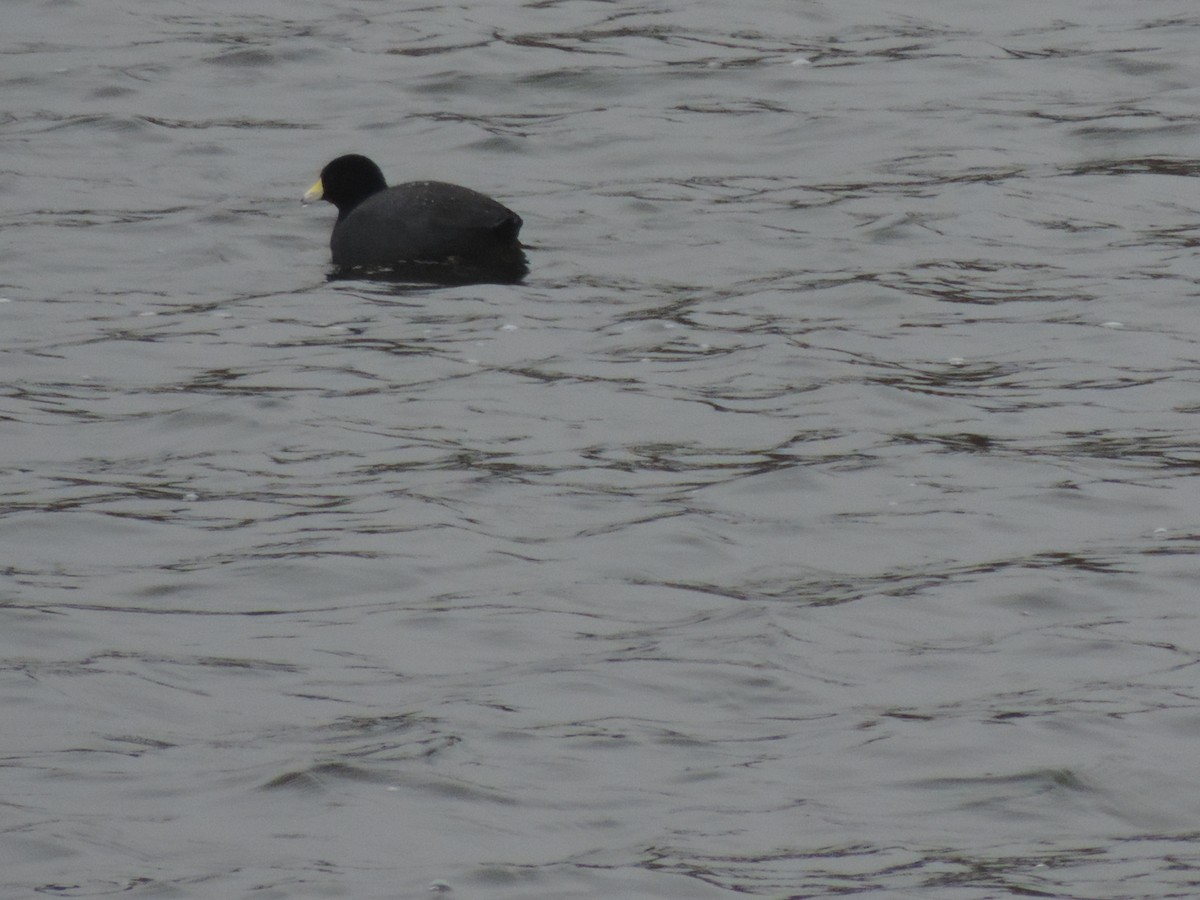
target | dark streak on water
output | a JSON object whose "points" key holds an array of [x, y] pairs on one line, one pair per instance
{"points": [[818, 518]]}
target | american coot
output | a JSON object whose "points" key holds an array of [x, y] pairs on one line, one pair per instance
{"points": [[422, 230]]}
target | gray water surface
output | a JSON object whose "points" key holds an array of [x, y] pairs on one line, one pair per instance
{"points": [[819, 518]]}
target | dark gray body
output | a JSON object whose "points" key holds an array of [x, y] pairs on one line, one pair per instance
{"points": [[426, 221]]}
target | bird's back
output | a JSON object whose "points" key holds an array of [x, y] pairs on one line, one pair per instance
{"points": [[423, 221]]}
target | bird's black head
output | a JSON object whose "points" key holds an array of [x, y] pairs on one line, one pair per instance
{"points": [[347, 182]]}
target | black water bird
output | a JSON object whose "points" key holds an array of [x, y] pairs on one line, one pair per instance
{"points": [[421, 230]]}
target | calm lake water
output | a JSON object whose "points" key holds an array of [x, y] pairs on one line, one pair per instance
{"points": [[820, 517]]}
